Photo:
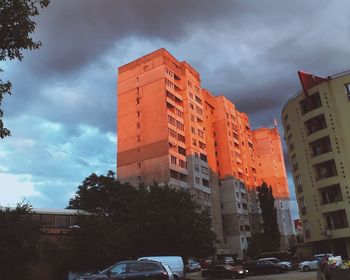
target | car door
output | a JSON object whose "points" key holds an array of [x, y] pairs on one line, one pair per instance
{"points": [[152, 271], [135, 271], [314, 263]]}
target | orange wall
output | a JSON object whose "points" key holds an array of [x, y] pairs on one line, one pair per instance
{"points": [[270, 161]]}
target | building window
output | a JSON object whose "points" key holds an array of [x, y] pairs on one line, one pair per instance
{"points": [[181, 138], [325, 169], [347, 88], [306, 228], [182, 151], [182, 163], [302, 206], [137, 125], [311, 103], [138, 138], [198, 99], [204, 157], [294, 163], [139, 178], [196, 167], [298, 181], [172, 133], [193, 130], [331, 194], [205, 183], [138, 113], [239, 205], [320, 146], [197, 180], [200, 133], [139, 165], [336, 219], [315, 124], [205, 170], [202, 145], [194, 142], [173, 160], [178, 112], [171, 120], [179, 125]]}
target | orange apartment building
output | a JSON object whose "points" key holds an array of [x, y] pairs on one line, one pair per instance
{"points": [[172, 131], [271, 170]]}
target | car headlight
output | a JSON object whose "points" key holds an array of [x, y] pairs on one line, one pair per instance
{"points": [[240, 272]]}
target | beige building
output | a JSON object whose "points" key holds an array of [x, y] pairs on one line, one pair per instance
{"points": [[317, 132]]}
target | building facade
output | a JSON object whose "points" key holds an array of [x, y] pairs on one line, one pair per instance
{"points": [[172, 131], [317, 133], [271, 170]]}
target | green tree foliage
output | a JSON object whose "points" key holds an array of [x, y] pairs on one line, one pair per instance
{"points": [[271, 236], [19, 239], [16, 26], [130, 222]]}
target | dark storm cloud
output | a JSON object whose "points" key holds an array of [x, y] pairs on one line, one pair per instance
{"points": [[249, 51], [82, 30]]}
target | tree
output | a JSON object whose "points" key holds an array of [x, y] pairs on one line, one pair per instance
{"points": [[270, 240], [19, 242], [15, 29], [128, 222]]}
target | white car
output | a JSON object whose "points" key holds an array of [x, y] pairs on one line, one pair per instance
{"points": [[193, 266], [313, 263], [309, 265], [286, 264]]}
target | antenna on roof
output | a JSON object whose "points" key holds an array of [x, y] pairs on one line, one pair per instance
{"points": [[275, 122]]}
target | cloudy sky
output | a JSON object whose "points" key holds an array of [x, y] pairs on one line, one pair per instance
{"points": [[62, 113]]}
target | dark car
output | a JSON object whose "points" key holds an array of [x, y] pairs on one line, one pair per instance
{"points": [[223, 271], [263, 267], [131, 270]]}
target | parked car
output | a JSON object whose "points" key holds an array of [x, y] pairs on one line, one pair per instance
{"points": [[286, 264], [131, 270], [313, 263], [263, 267], [193, 266], [174, 262], [224, 271], [229, 260]]}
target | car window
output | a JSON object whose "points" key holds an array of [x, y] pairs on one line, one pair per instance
{"points": [[118, 269], [135, 267], [150, 267]]}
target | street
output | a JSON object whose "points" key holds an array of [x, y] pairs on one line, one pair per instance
{"points": [[292, 275]]}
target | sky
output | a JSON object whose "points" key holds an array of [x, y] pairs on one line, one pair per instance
{"points": [[62, 111]]}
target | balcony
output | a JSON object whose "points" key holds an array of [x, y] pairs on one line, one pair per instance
{"points": [[311, 103], [325, 170], [299, 188], [315, 124], [320, 146], [330, 194], [336, 219]]}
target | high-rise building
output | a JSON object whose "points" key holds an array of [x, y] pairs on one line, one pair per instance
{"points": [[172, 131], [317, 133], [271, 169]]}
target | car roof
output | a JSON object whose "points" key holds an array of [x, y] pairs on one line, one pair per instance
{"points": [[136, 261]]}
